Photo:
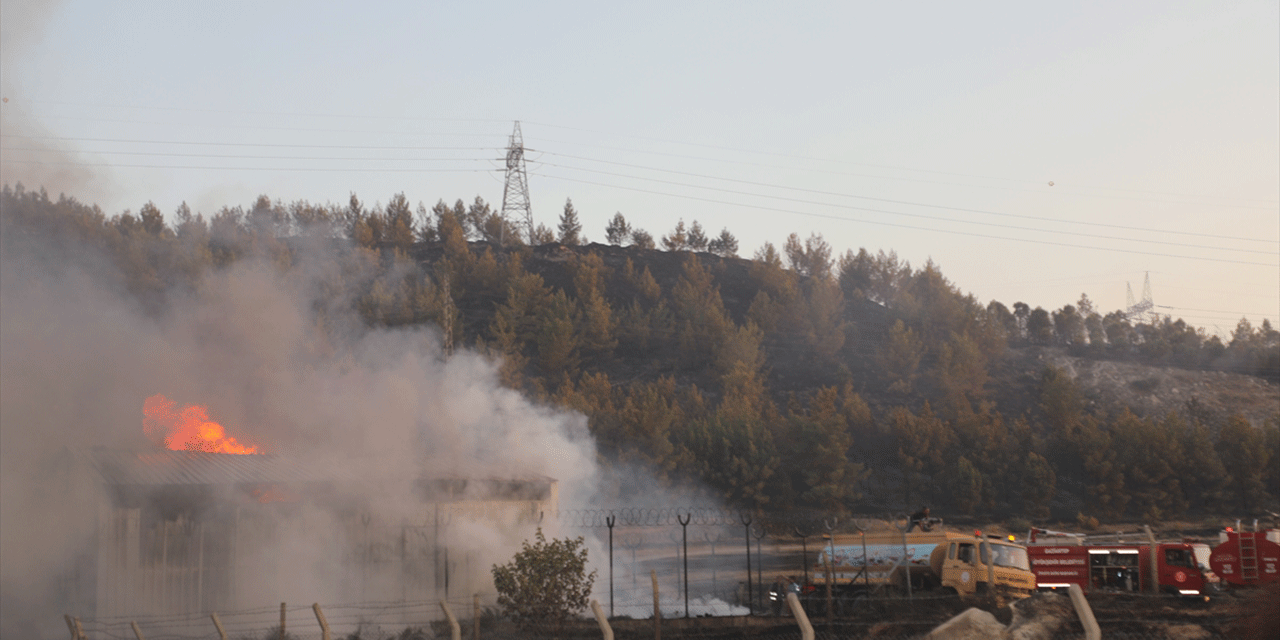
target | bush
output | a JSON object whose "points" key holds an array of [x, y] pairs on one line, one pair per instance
{"points": [[545, 583], [1018, 526]]}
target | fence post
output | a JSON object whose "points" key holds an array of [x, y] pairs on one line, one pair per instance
{"points": [[684, 536], [222, 634], [806, 628], [609, 521], [1153, 560], [475, 617], [455, 631], [324, 624], [281, 621], [136, 631], [657, 610], [71, 626], [605, 629], [751, 604], [1090, 624]]}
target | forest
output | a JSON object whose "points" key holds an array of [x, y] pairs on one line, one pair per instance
{"points": [[799, 379]]}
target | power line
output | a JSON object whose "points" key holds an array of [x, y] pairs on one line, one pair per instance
{"points": [[903, 226], [912, 215], [249, 157], [266, 128], [888, 200], [905, 179], [262, 113], [208, 168], [253, 144], [605, 133], [864, 164], [1227, 313]]}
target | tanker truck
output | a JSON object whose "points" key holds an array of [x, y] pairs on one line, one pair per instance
{"points": [[1247, 558], [858, 565]]}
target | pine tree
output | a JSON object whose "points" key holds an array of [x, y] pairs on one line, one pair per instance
{"points": [[570, 228], [618, 230], [724, 245]]}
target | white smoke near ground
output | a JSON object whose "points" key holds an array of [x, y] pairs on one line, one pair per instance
{"points": [[376, 407]]}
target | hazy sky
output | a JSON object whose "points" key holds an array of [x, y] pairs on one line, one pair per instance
{"points": [[928, 129]]}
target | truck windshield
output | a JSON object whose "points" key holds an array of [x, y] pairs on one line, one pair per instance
{"points": [[1015, 557]]}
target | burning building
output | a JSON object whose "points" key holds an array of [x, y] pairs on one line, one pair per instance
{"points": [[192, 531]]}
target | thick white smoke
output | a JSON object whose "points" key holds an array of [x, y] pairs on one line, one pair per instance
{"points": [[278, 368]]}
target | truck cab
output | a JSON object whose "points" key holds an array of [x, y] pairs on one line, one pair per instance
{"points": [[970, 565]]}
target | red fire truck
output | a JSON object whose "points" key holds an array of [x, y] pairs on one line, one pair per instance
{"points": [[1060, 560], [1247, 558]]}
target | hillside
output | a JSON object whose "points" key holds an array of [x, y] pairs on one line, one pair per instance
{"points": [[795, 380], [1154, 391]]}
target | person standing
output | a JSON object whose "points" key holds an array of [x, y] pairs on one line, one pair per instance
{"points": [[920, 519]]}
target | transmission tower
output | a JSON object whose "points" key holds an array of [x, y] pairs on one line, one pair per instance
{"points": [[1143, 310], [516, 210]]}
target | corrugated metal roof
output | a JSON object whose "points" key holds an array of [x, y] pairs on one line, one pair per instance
{"points": [[198, 468], [166, 467]]}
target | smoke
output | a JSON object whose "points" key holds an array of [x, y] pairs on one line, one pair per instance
{"points": [[279, 366], [32, 156]]}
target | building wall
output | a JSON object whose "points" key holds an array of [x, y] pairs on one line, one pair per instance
{"points": [[242, 557]]}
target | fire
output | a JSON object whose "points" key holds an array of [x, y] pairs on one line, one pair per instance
{"points": [[188, 428]]}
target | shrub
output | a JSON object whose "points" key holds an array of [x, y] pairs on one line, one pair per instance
{"points": [[545, 583]]}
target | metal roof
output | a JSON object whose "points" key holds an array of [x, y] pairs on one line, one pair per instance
{"points": [[163, 467], [167, 467]]}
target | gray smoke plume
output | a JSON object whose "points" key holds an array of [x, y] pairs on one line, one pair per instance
{"points": [[32, 155], [275, 365]]}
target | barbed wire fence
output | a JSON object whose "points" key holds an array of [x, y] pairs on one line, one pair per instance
{"points": [[711, 572]]}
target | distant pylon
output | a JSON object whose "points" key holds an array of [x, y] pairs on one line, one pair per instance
{"points": [[516, 210], [1144, 310]]}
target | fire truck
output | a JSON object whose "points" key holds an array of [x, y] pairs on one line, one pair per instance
{"points": [[1247, 558], [1060, 560]]}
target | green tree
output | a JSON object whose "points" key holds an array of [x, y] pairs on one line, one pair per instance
{"points": [[899, 357], [924, 445], [642, 239], [152, 220], [697, 238], [677, 240], [1068, 325], [1201, 470], [618, 230], [399, 231], [570, 229], [812, 258], [1040, 327], [546, 583], [702, 322], [1037, 486], [724, 245], [964, 486], [1243, 451]]}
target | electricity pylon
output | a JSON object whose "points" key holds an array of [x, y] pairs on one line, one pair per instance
{"points": [[1139, 311], [516, 210]]}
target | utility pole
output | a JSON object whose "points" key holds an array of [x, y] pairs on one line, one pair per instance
{"points": [[516, 210]]}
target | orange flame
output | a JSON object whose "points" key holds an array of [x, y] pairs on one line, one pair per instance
{"points": [[188, 428]]}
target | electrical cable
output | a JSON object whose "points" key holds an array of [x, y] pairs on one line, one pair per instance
{"points": [[917, 215], [254, 144], [887, 200], [249, 157], [208, 168], [837, 161], [903, 226]]}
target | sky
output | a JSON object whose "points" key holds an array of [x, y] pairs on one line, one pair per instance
{"points": [[1035, 153]]}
